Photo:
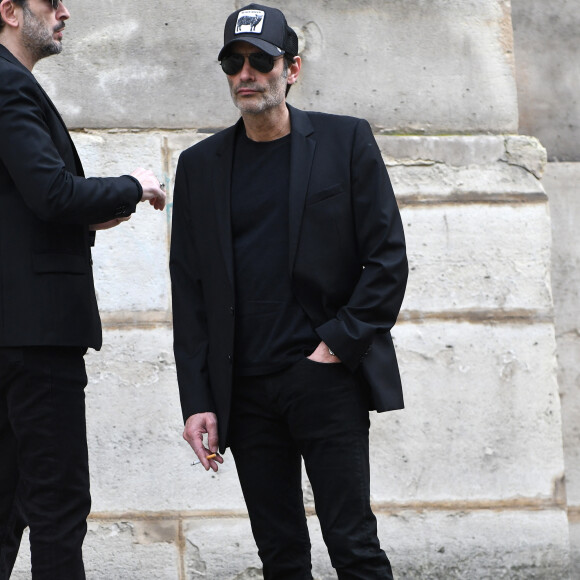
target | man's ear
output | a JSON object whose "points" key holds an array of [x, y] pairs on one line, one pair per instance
{"points": [[294, 70], [8, 13]]}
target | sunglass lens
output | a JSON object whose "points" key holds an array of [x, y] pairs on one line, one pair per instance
{"points": [[232, 64], [262, 62]]}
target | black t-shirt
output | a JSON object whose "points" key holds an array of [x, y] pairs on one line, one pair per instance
{"points": [[272, 330]]}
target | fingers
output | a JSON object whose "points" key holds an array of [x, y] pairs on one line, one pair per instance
{"points": [[196, 427], [213, 463], [153, 189]]}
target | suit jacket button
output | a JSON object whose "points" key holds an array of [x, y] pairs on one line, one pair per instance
{"points": [[232, 310], [230, 358]]}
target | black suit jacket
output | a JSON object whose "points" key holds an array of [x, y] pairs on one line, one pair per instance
{"points": [[47, 295], [346, 258]]}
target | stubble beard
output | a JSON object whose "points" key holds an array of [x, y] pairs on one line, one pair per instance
{"points": [[272, 95], [37, 37]]}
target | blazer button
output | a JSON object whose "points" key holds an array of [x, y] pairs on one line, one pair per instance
{"points": [[232, 310], [230, 358]]}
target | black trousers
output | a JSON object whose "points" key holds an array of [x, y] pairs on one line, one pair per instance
{"points": [[44, 478], [319, 412]]}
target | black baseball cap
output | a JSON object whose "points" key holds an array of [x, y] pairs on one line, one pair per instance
{"points": [[263, 27]]}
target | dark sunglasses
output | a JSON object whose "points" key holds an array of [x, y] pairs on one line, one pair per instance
{"points": [[54, 3], [233, 63]]}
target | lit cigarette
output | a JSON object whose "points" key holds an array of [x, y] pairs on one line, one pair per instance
{"points": [[207, 457]]}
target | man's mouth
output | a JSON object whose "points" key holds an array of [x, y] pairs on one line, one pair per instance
{"points": [[247, 90]]}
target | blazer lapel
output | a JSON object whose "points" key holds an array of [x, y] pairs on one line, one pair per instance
{"points": [[7, 55], [79, 166], [221, 192], [302, 147]]}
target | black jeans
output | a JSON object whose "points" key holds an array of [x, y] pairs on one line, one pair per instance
{"points": [[319, 412], [44, 478]]}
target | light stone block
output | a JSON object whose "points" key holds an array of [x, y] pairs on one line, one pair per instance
{"points": [[130, 260], [439, 545], [444, 183], [575, 546], [122, 550], [562, 185], [477, 256], [139, 460], [112, 153], [463, 151], [477, 545], [508, 545], [412, 67], [482, 418], [482, 411], [547, 51]]}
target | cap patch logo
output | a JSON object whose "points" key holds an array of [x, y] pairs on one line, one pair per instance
{"points": [[250, 21]]}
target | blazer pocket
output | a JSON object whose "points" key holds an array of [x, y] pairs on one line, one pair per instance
{"points": [[62, 263], [324, 194]]}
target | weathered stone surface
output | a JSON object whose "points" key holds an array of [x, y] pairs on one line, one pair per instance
{"points": [[547, 49], [130, 260], [139, 461], [123, 550], [514, 545], [484, 392], [482, 417], [574, 547], [477, 545], [415, 66], [477, 257], [464, 151], [562, 185], [505, 272], [439, 545], [526, 152]]}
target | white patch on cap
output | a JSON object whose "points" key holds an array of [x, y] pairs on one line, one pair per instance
{"points": [[250, 21]]}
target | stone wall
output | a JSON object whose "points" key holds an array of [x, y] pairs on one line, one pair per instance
{"points": [[547, 49], [467, 481]]}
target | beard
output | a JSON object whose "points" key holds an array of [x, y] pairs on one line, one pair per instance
{"points": [[37, 37], [272, 94]]}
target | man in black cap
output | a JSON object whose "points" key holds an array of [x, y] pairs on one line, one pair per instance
{"points": [[48, 308], [288, 270]]}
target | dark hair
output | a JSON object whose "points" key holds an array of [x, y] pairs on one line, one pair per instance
{"points": [[19, 3]]}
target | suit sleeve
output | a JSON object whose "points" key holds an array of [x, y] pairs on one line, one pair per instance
{"points": [[377, 297], [30, 156], [189, 320]]}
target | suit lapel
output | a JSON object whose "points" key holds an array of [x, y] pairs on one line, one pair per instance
{"points": [[79, 167], [7, 55], [302, 147], [222, 184]]}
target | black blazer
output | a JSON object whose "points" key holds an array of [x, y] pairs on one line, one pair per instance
{"points": [[47, 295], [346, 258]]}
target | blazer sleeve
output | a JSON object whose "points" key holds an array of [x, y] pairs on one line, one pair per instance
{"points": [[190, 333], [376, 299], [31, 158]]}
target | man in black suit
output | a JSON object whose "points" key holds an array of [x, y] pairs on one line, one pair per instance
{"points": [[288, 270], [48, 310]]}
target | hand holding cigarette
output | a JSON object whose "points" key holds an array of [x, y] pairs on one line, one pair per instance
{"points": [[196, 427]]}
